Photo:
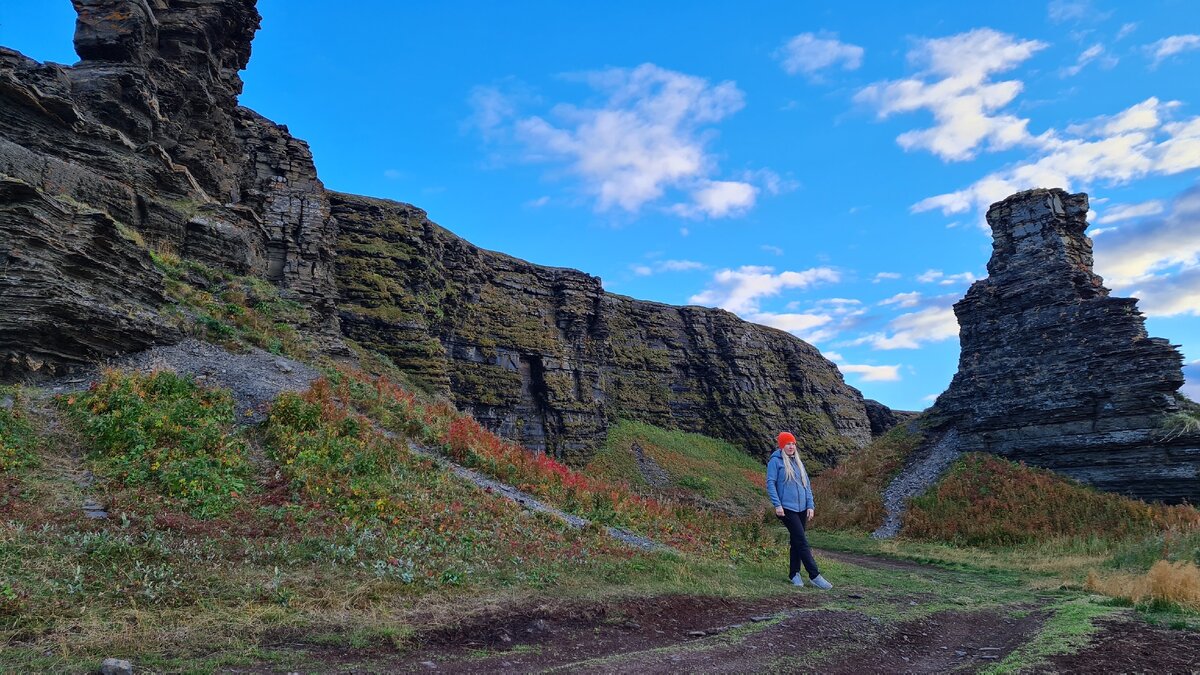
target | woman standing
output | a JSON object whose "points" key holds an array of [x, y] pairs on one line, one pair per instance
{"points": [[791, 494]]}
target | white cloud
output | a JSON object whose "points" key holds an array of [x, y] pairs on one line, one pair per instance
{"points": [[1170, 46], [719, 199], [393, 174], [1126, 30], [910, 331], [683, 232], [1157, 260], [955, 85], [538, 203], [680, 265], [1118, 212], [645, 141], [904, 300], [1191, 388], [883, 276], [772, 249], [1169, 295], [1111, 150], [741, 290], [666, 266], [1061, 11], [810, 53], [930, 398], [1090, 54], [872, 373], [940, 277]]}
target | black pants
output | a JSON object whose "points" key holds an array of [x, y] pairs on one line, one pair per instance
{"points": [[801, 554]]}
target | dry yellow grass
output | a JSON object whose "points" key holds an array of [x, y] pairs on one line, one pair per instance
{"points": [[1177, 583]]}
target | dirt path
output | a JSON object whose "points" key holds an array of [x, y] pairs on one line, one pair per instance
{"points": [[800, 630]]}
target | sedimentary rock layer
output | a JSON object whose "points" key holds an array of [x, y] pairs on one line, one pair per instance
{"points": [[1056, 372], [145, 135], [546, 356]]}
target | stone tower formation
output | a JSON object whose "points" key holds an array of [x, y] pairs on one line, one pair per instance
{"points": [[1056, 372]]}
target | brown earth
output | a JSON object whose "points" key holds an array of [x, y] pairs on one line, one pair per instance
{"points": [[801, 631]]}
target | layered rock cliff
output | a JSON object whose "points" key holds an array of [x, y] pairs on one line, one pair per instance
{"points": [[141, 145], [546, 356], [1057, 373], [141, 148]]}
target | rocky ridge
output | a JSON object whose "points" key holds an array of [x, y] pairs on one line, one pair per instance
{"points": [[1056, 372], [141, 149], [547, 357]]}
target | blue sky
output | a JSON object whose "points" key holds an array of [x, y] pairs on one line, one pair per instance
{"points": [[819, 167]]}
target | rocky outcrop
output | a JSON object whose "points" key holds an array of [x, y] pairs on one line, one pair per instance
{"points": [[144, 136], [883, 418], [1057, 373], [544, 355]]}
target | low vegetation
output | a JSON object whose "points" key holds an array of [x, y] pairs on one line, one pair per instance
{"points": [[233, 311], [164, 431], [17, 437], [850, 495], [439, 426], [985, 500], [694, 468]]}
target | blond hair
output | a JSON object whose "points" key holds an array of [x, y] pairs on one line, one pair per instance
{"points": [[793, 466]]}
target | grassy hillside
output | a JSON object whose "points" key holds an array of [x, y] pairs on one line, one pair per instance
{"points": [[681, 466]]}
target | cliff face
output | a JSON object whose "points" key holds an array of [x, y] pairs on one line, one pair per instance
{"points": [[141, 148], [141, 145], [545, 356], [1056, 372]]}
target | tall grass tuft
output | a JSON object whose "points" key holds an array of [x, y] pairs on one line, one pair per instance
{"points": [[1167, 584]]}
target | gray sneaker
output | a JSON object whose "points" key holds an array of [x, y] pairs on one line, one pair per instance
{"points": [[797, 580], [820, 583]]}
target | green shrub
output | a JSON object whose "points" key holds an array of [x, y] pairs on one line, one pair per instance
{"points": [[165, 431], [17, 438]]}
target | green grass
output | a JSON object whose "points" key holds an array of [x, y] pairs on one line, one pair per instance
{"points": [[18, 440], [1068, 630], [700, 468]]}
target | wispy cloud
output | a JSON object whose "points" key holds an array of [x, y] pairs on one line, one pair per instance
{"points": [[740, 291], [1170, 46], [940, 277], [872, 373], [1118, 212], [886, 276], [903, 299], [1158, 259], [645, 143], [954, 83], [1135, 143], [1074, 11], [810, 53], [932, 320], [1094, 53], [772, 249], [660, 266], [1126, 30]]}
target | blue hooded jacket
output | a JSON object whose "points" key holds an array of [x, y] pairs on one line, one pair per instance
{"points": [[790, 494]]}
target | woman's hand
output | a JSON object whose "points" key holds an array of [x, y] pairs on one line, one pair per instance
{"points": [[808, 514], [779, 511]]}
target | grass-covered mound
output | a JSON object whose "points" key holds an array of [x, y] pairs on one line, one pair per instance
{"points": [[986, 500], [850, 495], [682, 466]]}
